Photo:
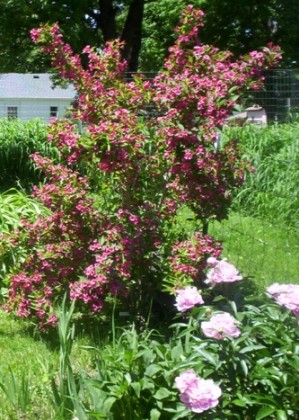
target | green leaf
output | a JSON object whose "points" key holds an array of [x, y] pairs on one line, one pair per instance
{"points": [[155, 414], [244, 367], [206, 355], [147, 383], [152, 370], [252, 348], [128, 378], [136, 387], [176, 352], [109, 403], [264, 412], [162, 393], [234, 307], [275, 313], [281, 415], [180, 412], [239, 403]]}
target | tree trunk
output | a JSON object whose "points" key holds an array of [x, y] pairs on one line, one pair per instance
{"points": [[106, 19], [132, 30], [132, 33]]}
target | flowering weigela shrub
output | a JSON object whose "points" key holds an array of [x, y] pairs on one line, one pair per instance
{"points": [[108, 232]]}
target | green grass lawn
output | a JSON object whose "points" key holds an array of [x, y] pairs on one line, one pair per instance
{"points": [[28, 362], [259, 249]]}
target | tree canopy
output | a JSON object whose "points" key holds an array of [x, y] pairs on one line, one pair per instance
{"points": [[84, 22], [243, 25], [146, 27]]}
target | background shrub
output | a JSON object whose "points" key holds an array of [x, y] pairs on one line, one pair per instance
{"points": [[18, 140]]}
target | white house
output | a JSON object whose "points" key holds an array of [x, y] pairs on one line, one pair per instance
{"points": [[27, 96]]}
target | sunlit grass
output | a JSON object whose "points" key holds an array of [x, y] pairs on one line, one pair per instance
{"points": [[28, 362], [262, 250], [271, 191], [23, 358]]}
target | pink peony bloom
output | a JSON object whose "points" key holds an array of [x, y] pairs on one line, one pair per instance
{"points": [[185, 380], [222, 272], [276, 289], [197, 394], [212, 262], [187, 298], [220, 326], [286, 295]]}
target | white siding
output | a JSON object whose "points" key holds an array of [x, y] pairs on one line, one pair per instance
{"points": [[35, 108]]}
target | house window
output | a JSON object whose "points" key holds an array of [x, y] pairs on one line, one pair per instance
{"points": [[53, 111], [12, 112]]}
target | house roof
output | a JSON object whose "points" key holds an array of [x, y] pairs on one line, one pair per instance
{"points": [[32, 86]]}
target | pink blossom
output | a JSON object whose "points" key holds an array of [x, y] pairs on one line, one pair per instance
{"points": [[221, 325], [286, 295], [188, 154], [222, 272], [276, 289], [52, 320], [187, 298], [35, 34], [197, 394], [212, 262]]}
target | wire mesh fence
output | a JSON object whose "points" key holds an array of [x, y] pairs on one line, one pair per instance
{"points": [[279, 97], [280, 94]]}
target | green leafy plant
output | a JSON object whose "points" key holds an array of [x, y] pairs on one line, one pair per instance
{"points": [[134, 376], [17, 391], [18, 140], [64, 387], [256, 370]]}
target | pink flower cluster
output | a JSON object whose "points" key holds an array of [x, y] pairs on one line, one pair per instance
{"points": [[286, 295], [221, 272], [187, 298], [189, 257], [220, 326], [197, 394]]}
